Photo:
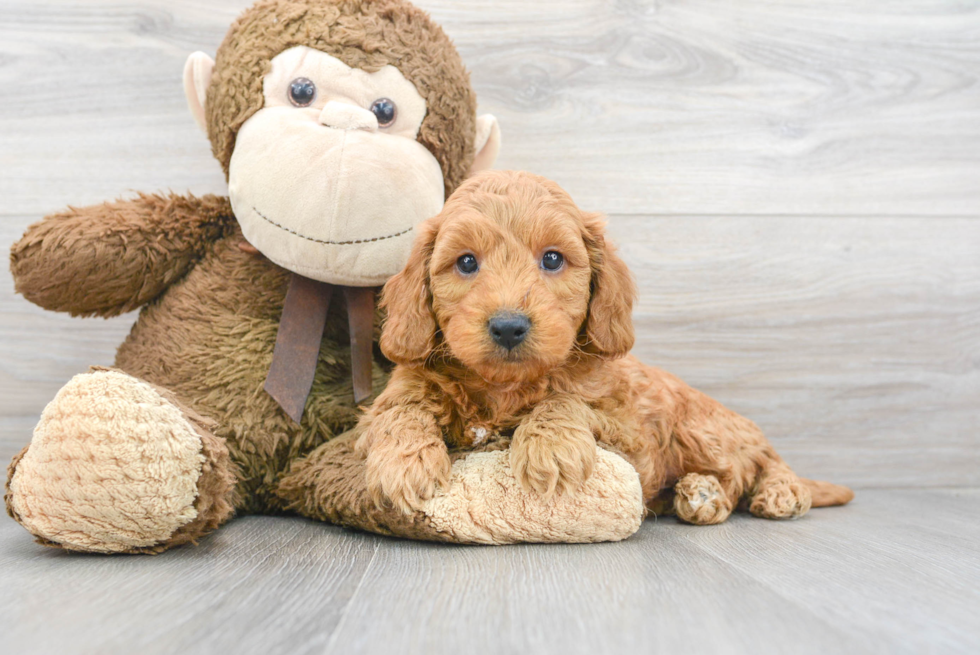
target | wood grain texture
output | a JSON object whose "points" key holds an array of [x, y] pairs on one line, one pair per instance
{"points": [[647, 106], [896, 572], [795, 185], [853, 342], [254, 585]]}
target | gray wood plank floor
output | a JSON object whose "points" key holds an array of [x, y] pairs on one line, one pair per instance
{"points": [[853, 342], [795, 185], [898, 571], [651, 106]]}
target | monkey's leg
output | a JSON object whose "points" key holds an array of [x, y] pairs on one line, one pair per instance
{"points": [[330, 484], [482, 503], [117, 465]]}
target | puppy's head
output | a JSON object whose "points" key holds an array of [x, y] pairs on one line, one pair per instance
{"points": [[512, 279]]}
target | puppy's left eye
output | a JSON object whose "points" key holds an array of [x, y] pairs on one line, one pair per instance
{"points": [[552, 261]]}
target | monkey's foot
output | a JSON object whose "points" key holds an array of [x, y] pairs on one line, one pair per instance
{"points": [[118, 466], [700, 499], [484, 502]]}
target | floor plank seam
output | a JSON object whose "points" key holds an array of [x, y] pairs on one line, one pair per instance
{"points": [[343, 614], [828, 623]]}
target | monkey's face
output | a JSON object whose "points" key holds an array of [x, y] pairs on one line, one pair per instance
{"points": [[327, 179]]}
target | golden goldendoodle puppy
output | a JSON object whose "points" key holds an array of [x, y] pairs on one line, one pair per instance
{"points": [[512, 319]]}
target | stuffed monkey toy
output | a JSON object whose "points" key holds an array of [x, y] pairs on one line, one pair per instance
{"points": [[340, 125]]}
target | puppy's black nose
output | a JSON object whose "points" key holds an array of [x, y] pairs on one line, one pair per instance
{"points": [[508, 329]]}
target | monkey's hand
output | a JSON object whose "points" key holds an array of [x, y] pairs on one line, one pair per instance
{"points": [[406, 457], [109, 259], [554, 448]]}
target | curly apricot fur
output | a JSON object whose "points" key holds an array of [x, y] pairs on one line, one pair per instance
{"points": [[570, 383]]}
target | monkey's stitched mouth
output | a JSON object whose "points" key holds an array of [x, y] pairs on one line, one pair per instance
{"points": [[325, 241]]}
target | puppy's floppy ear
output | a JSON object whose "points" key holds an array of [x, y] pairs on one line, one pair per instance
{"points": [[609, 325], [409, 331]]}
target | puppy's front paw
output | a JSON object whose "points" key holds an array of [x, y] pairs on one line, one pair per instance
{"points": [[405, 475], [549, 462]]}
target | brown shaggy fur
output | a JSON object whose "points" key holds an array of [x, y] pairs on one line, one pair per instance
{"points": [[210, 304], [208, 325], [365, 34], [330, 485], [112, 258], [567, 386]]}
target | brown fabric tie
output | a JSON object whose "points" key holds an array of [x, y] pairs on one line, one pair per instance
{"points": [[294, 359]]}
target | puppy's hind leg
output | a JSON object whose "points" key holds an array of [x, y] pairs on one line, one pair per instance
{"points": [[779, 493], [701, 499]]}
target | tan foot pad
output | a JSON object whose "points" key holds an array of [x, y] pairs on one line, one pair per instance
{"points": [[485, 504], [113, 467]]}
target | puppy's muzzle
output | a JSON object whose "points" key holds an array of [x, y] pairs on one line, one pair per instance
{"points": [[508, 329]]}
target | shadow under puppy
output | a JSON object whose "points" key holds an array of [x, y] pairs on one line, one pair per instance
{"points": [[512, 321]]}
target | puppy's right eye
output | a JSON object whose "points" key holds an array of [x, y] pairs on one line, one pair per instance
{"points": [[552, 260], [467, 264]]}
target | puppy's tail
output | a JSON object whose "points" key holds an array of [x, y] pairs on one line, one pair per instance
{"points": [[826, 494]]}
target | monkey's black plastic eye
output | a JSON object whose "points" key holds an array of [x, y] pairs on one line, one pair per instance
{"points": [[385, 111], [467, 264], [302, 92], [552, 261]]}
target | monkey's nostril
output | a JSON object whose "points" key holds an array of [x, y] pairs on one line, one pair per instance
{"points": [[508, 329]]}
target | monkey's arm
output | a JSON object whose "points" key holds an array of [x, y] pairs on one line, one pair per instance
{"points": [[109, 259]]}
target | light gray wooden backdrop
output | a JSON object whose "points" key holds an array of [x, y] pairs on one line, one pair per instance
{"points": [[795, 184]]}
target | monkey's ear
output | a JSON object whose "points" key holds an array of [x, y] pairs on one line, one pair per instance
{"points": [[609, 326], [487, 143], [197, 77], [409, 331]]}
